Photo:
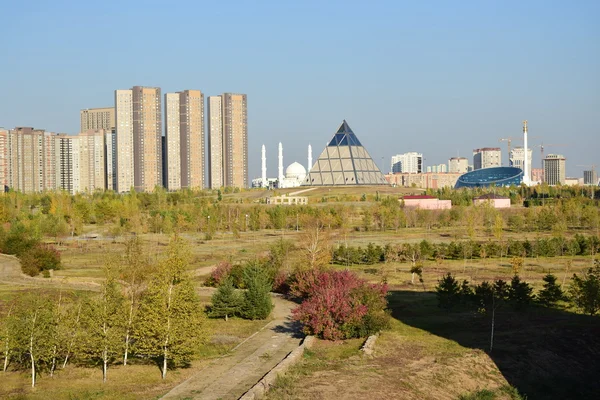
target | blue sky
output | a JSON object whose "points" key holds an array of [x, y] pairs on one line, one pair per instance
{"points": [[438, 77]]}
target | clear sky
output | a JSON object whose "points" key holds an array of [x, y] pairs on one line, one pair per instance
{"points": [[437, 77]]}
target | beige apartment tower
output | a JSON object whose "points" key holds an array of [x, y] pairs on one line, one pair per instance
{"points": [[215, 142], [147, 138], [28, 159], [92, 174], [235, 140], [184, 135], [124, 140], [173, 143], [97, 118], [191, 104]]}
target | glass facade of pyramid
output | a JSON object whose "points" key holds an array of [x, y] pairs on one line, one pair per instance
{"points": [[344, 161]]}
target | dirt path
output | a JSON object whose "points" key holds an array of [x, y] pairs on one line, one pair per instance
{"points": [[231, 376]]}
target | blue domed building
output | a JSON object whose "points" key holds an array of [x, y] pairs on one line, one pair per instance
{"points": [[495, 176]]}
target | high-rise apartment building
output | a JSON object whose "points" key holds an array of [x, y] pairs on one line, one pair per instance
{"points": [[487, 157], [555, 169], [92, 174], [124, 166], [110, 159], [4, 160], [517, 158], [97, 118], [192, 139], [458, 165], [215, 142], [235, 140], [590, 177], [68, 163], [184, 135], [173, 142], [411, 163], [147, 137], [26, 155]]}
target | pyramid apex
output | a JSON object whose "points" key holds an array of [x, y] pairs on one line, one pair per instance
{"points": [[344, 128]]}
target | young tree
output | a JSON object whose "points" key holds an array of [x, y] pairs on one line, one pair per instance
{"points": [[34, 330], [447, 291], [226, 302], [520, 294], [169, 323], [103, 320], [7, 335], [551, 293], [257, 299], [315, 243], [585, 291], [72, 328], [134, 273]]}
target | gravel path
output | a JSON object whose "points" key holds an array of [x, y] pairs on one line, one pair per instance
{"points": [[231, 376]]}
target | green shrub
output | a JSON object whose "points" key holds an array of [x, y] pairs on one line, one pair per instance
{"points": [[257, 299]]}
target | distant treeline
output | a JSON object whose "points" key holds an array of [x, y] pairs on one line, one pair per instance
{"points": [[58, 214], [579, 245]]}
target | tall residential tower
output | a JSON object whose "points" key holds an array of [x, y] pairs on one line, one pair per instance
{"points": [[235, 140], [184, 134]]}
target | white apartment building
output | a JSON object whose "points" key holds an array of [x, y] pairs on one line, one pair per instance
{"points": [[458, 165], [407, 163], [517, 159], [215, 142], [487, 157]]}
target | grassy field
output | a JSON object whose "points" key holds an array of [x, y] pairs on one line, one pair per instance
{"points": [[426, 354]]}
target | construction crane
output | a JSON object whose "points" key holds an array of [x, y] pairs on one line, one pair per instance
{"points": [[542, 146], [509, 140]]}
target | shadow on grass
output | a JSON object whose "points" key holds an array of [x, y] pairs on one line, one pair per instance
{"points": [[544, 353]]}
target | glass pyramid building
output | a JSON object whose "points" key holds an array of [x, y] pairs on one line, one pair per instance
{"points": [[344, 162]]}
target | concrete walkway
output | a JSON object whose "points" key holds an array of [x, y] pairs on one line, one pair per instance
{"points": [[231, 376]]}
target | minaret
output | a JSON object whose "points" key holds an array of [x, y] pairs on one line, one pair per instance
{"points": [[264, 167], [309, 158], [280, 176], [526, 172]]}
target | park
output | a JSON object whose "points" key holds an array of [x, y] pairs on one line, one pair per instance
{"points": [[131, 296]]}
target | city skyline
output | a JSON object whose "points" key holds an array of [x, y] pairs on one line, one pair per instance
{"points": [[458, 76]]}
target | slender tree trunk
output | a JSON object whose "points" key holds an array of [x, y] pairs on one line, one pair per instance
{"points": [[32, 370], [53, 367], [166, 344], [72, 342], [127, 336], [104, 365], [31, 349], [493, 323], [7, 344]]}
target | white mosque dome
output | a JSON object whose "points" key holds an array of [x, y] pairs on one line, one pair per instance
{"points": [[295, 171]]}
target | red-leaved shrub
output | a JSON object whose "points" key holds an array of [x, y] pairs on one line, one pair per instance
{"points": [[219, 274], [339, 305]]}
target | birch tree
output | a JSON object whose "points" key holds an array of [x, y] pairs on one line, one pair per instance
{"points": [[7, 336], [170, 321], [134, 273], [104, 324], [34, 328]]}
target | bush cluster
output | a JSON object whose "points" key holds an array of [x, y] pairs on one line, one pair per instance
{"points": [[339, 305], [455, 250], [253, 303]]}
